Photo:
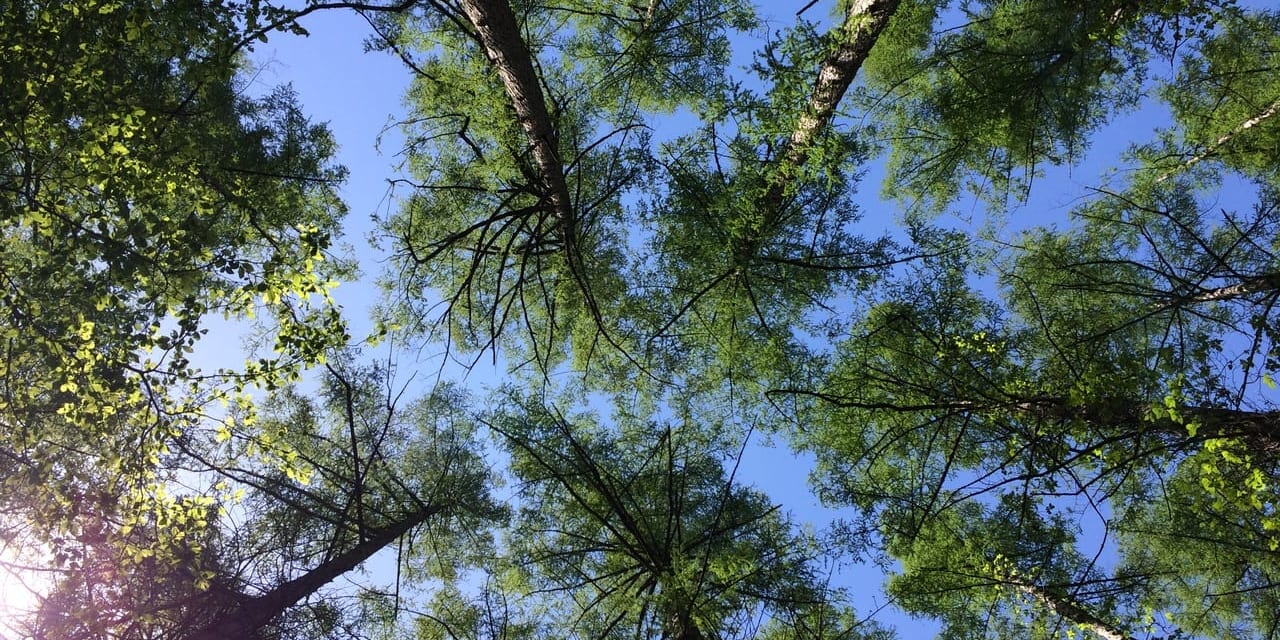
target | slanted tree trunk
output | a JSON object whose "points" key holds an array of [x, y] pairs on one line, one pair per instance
{"points": [[1260, 430], [499, 35], [1224, 139], [495, 25], [251, 614], [1073, 612], [1267, 282], [862, 26]]}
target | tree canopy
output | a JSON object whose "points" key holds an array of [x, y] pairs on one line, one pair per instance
{"points": [[660, 224]]}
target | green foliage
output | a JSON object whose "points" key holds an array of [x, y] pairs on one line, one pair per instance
{"points": [[1209, 544], [641, 529], [246, 534], [1224, 100], [596, 196], [734, 271], [1101, 373], [478, 228], [1118, 362], [982, 106], [985, 571], [143, 192]]}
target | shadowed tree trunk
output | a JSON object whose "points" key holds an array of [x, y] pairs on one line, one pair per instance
{"points": [[251, 614]]}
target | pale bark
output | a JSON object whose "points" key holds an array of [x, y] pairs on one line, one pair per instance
{"points": [[1225, 138], [1073, 612], [1266, 282], [650, 13], [682, 627], [862, 26]]}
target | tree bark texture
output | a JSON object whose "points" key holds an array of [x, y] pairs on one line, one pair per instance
{"points": [[495, 24], [861, 29]]}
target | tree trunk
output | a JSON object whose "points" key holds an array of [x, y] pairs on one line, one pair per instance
{"points": [[1260, 430], [1227, 137], [862, 26], [251, 614], [1266, 282], [1073, 612], [682, 627], [499, 35], [495, 24]]}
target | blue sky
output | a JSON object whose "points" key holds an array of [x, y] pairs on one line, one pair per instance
{"points": [[360, 94]]}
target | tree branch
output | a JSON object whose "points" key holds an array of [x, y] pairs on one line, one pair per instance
{"points": [[1224, 139]]}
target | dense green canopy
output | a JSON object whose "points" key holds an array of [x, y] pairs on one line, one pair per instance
{"points": [[656, 221]]}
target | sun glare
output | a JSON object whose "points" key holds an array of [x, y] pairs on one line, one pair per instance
{"points": [[18, 600]]}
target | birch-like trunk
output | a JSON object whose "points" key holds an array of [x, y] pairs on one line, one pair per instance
{"points": [[1256, 284], [861, 29], [1073, 612], [1226, 138]]}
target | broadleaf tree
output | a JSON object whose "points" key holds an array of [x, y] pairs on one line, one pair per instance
{"points": [[144, 192]]}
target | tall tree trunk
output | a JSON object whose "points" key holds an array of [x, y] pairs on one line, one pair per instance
{"points": [[1073, 612], [1259, 429], [862, 26], [500, 36], [1256, 284], [682, 627], [251, 614], [495, 24], [1226, 138]]}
